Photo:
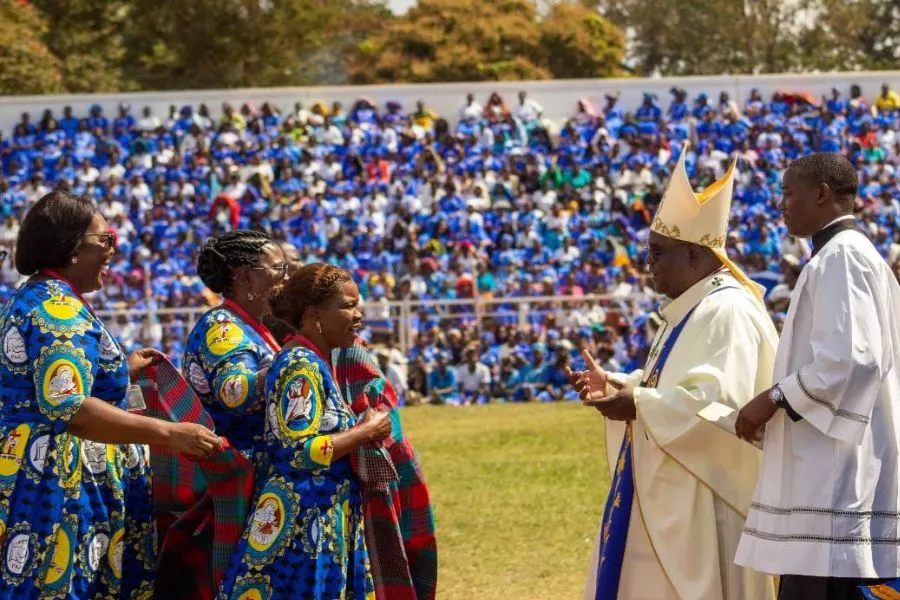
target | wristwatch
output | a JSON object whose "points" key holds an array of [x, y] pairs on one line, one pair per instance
{"points": [[777, 397]]}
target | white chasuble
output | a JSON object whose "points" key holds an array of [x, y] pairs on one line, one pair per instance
{"points": [[693, 481]]}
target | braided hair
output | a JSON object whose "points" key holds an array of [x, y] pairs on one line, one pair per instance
{"points": [[312, 285], [221, 256]]}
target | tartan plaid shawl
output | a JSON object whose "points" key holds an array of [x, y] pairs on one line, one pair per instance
{"points": [[201, 506], [399, 522]]}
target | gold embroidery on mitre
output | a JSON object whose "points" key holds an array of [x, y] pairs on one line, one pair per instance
{"points": [[663, 229], [712, 242]]}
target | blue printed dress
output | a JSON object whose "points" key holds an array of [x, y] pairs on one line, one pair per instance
{"points": [[75, 515], [304, 539], [223, 355]]}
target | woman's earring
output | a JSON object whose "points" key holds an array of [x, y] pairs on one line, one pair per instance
{"points": [[74, 259], [250, 296], [319, 327]]}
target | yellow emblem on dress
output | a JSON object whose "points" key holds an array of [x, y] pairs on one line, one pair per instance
{"points": [[267, 522], [62, 307], [62, 556], [235, 390], [115, 552], [62, 379], [12, 450], [223, 337], [321, 449], [299, 408]]}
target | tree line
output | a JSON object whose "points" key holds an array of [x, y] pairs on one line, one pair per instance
{"points": [[52, 46]]}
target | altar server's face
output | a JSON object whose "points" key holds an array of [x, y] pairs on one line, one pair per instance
{"points": [[801, 203]]}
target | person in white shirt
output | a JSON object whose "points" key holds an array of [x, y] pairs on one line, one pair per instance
{"points": [[392, 374], [148, 122], [795, 246], [826, 510], [9, 231], [474, 379], [472, 111], [682, 486], [87, 173], [779, 299], [528, 111]]}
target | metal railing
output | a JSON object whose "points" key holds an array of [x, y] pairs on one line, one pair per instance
{"points": [[402, 315]]}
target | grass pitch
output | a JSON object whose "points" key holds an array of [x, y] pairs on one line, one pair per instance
{"points": [[518, 491]]}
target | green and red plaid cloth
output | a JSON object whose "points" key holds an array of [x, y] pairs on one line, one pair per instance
{"points": [[201, 506], [399, 519]]}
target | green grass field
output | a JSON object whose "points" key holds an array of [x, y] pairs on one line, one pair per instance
{"points": [[518, 491]]}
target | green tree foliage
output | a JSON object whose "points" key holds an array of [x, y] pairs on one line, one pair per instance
{"points": [[578, 41], [454, 40], [853, 34], [460, 40], [110, 45], [86, 36], [26, 65], [237, 43], [711, 37]]}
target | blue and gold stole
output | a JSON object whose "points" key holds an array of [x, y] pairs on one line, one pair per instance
{"points": [[883, 591], [617, 514]]}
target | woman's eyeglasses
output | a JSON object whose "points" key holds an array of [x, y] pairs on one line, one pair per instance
{"points": [[106, 239], [281, 269]]}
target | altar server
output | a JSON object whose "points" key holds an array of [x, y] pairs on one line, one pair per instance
{"points": [[825, 512]]}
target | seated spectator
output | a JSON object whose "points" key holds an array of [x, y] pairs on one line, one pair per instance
{"points": [[474, 379], [443, 384]]}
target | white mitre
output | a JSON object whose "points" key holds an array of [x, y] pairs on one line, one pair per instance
{"points": [[702, 218]]}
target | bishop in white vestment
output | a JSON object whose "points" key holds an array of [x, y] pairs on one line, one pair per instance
{"points": [[826, 512], [681, 486]]}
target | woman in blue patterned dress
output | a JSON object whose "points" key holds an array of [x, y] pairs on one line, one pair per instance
{"points": [[75, 515], [229, 350], [304, 539]]}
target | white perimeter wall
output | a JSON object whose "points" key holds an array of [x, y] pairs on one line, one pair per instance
{"points": [[557, 96]]}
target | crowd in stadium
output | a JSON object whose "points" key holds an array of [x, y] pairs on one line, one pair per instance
{"points": [[494, 202]]}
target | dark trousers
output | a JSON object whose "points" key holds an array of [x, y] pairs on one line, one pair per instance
{"points": [[801, 587]]}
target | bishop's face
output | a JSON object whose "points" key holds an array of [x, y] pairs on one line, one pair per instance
{"points": [[667, 261]]}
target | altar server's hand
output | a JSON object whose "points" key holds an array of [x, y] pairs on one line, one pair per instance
{"points": [[752, 418], [617, 407]]}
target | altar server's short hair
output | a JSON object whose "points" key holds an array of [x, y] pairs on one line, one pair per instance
{"points": [[830, 168]]}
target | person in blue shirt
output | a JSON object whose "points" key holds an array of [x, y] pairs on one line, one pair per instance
{"points": [[305, 536], [69, 123], [229, 350], [701, 106], [96, 120], [648, 110], [679, 108], [75, 499], [443, 384], [125, 122]]}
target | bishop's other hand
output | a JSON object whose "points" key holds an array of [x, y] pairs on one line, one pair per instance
{"points": [[591, 381]]}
